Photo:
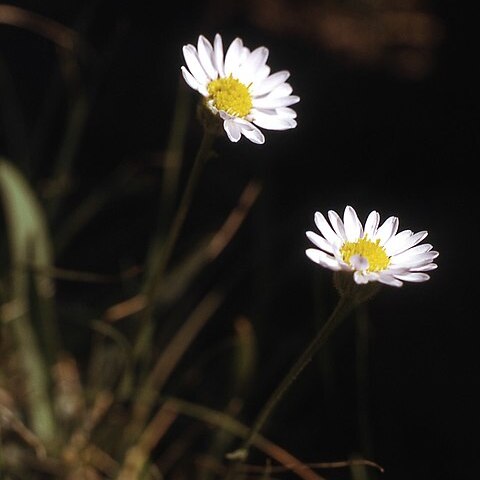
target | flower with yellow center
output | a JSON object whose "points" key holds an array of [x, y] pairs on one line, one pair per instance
{"points": [[373, 253], [238, 87]]}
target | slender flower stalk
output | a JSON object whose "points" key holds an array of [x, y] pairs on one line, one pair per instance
{"points": [[345, 304], [160, 264], [165, 253]]}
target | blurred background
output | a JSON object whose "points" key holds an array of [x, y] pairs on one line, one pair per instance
{"points": [[90, 93]]}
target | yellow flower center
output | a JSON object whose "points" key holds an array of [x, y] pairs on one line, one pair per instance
{"points": [[375, 254], [230, 95]]}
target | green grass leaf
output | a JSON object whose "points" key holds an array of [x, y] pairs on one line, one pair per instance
{"points": [[29, 293]]}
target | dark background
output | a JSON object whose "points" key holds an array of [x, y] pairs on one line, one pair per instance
{"points": [[385, 122]]}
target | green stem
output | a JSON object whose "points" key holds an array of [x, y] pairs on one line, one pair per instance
{"points": [[343, 307], [166, 249], [160, 260], [42, 419]]}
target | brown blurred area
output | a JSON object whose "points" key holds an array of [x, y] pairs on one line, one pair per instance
{"points": [[401, 36]]}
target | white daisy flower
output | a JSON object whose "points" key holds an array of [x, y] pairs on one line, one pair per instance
{"points": [[239, 88], [373, 253]]}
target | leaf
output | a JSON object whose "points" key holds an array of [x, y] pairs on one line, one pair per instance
{"points": [[30, 293], [28, 238]]}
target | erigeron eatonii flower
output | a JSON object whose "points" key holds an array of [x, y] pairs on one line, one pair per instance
{"points": [[373, 253], [239, 88]]}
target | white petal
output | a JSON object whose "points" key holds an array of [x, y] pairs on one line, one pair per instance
{"points": [[205, 54], [194, 65], [226, 116], [191, 80], [389, 280], [353, 227], [426, 268], [412, 252], [322, 259], [252, 65], [338, 256], [371, 224], [253, 134], [389, 228], [358, 262], [282, 90], [235, 127], [408, 242], [415, 261], [337, 224], [287, 112], [292, 99], [269, 83], [262, 73], [397, 269], [233, 56], [413, 277], [268, 102], [272, 122], [360, 278], [218, 54], [319, 242], [233, 130], [422, 248], [326, 230], [396, 243], [243, 56], [418, 237]]}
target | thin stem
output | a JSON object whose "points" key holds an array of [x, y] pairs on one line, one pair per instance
{"points": [[181, 213], [343, 307], [160, 260]]}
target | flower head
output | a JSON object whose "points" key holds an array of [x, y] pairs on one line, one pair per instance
{"points": [[373, 253], [239, 89]]}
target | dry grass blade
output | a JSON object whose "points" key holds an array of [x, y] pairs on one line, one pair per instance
{"points": [[81, 436], [138, 455], [9, 421], [54, 31], [170, 357], [235, 219], [202, 255], [317, 465]]}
